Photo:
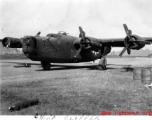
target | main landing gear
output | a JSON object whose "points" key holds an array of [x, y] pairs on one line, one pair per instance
{"points": [[102, 63], [46, 65]]}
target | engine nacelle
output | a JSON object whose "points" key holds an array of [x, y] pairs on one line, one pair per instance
{"points": [[12, 42], [136, 42], [105, 50]]}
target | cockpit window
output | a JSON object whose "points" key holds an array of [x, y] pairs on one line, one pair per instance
{"points": [[53, 35], [62, 33]]}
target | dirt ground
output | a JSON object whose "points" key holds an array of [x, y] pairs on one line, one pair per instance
{"points": [[75, 90]]}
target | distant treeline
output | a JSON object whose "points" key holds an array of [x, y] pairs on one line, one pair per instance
{"points": [[117, 56], [22, 56], [12, 56]]}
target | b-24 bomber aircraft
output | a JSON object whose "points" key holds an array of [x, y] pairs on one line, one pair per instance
{"points": [[63, 48]]}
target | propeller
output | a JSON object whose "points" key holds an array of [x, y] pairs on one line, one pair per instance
{"points": [[83, 41], [82, 34], [86, 43], [7, 44], [132, 41], [78, 52], [127, 41]]}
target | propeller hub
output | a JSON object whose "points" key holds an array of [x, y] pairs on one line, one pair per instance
{"points": [[127, 41]]}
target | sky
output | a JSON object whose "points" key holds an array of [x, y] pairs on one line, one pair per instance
{"points": [[98, 18]]}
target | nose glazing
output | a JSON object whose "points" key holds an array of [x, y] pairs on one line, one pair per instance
{"points": [[29, 47]]}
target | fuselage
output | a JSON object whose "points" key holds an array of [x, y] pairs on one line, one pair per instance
{"points": [[57, 48]]}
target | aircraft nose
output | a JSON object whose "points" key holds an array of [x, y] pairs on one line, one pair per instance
{"points": [[29, 46]]}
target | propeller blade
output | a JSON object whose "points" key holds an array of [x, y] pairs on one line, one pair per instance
{"points": [[78, 52], [7, 44], [82, 33], [129, 51], [128, 32], [122, 52], [126, 28]]}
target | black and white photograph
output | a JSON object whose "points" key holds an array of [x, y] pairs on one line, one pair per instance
{"points": [[88, 58]]}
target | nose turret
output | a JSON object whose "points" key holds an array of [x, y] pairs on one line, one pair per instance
{"points": [[30, 47]]}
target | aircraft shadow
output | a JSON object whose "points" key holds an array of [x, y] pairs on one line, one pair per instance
{"points": [[74, 67], [127, 69]]}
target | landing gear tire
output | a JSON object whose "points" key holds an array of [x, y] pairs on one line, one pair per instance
{"points": [[45, 65], [102, 63]]}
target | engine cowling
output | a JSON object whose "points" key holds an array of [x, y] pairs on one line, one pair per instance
{"points": [[12, 42], [135, 43], [132, 41]]}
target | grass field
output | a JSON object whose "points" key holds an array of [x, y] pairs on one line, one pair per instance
{"points": [[75, 91]]}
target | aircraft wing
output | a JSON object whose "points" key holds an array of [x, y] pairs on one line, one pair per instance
{"points": [[113, 42], [149, 39], [129, 42], [119, 42]]}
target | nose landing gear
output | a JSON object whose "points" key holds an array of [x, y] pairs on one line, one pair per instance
{"points": [[46, 65], [102, 63]]}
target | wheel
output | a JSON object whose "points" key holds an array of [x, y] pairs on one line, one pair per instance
{"points": [[45, 65], [103, 63]]}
